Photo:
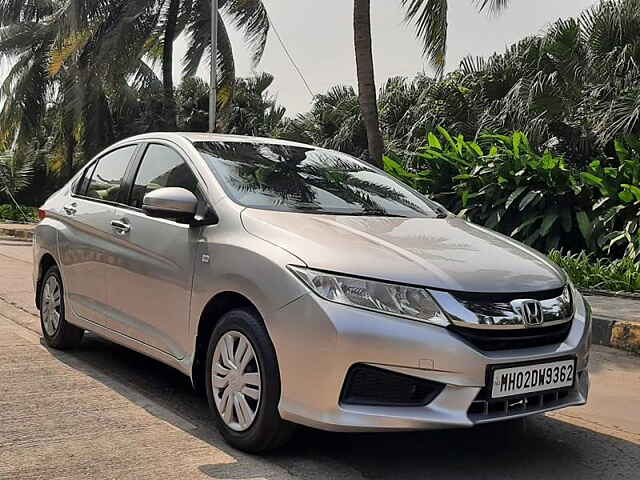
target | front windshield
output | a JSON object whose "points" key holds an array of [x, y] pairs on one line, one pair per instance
{"points": [[304, 179]]}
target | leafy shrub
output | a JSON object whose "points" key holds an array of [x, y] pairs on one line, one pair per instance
{"points": [[11, 213], [589, 272], [502, 183], [16, 172], [617, 212]]}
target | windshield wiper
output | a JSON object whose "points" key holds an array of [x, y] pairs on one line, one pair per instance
{"points": [[352, 214], [382, 214]]}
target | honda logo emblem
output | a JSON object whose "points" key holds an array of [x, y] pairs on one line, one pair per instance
{"points": [[530, 311]]}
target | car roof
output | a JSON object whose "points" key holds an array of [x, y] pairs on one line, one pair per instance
{"points": [[194, 137]]}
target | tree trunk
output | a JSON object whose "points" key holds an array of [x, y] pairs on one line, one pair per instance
{"points": [[366, 79], [170, 110]]}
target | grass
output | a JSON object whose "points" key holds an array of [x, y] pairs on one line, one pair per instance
{"points": [[599, 273]]}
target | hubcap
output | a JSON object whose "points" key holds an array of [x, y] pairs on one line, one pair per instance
{"points": [[235, 379], [51, 303]]}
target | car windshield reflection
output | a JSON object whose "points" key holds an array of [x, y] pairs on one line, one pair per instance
{"points": [[308, 180]]}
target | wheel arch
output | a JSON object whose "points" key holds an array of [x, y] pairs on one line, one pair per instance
{"points": [[215, 308], [46, 262]]}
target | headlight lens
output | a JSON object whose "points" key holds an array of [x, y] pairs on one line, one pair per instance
{"points": [[408, 302]]}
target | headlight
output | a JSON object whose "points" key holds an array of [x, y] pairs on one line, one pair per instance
{"points": [[408, 302]]}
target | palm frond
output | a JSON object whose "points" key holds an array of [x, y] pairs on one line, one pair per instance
{"points": [[16, 172], [251, 18], [492, 6], [430, 19]]}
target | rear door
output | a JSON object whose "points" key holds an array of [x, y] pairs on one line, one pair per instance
{"points": [[85, 242], [150, 286]]}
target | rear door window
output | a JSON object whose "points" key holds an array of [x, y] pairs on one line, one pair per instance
{"points": [[108, 175], [80, 187]]}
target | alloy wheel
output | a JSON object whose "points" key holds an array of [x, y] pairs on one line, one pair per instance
{"points": [[51, 305], [236, 381]]}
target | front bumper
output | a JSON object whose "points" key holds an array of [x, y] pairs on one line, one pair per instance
{"points": [[318, 341]]}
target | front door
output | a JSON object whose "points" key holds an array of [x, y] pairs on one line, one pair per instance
{"points": [[150, 286]]}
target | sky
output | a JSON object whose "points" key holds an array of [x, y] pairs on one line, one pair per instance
{"points": [[319, 35]]}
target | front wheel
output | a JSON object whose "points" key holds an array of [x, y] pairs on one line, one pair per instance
{"points": [[243, 383], [58, 333]]}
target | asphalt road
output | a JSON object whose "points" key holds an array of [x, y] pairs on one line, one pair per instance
{"points": [[105, 412]]}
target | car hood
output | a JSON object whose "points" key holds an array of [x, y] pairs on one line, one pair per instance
{"points": [[441, 253]]}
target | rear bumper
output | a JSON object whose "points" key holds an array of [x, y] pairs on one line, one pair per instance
{"points": [[317, 342]]}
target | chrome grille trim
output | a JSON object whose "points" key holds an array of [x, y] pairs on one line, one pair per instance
{"points": [[484, 314]]}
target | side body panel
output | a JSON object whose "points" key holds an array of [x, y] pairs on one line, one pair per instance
{"points": [[83, 245], [239, 262], [45, 242], [80, 247], [150, 286]]}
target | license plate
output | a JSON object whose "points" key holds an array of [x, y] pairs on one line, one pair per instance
{"points": [[526, 379]]}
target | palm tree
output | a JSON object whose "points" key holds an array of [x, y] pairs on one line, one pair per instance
{"points": [[334, 122], [70, 62], [430, 19], [576, 84], [409, 109], [253, 110], [82, 66], [194, 18]]}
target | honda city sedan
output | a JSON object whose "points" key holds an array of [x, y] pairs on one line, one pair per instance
{"points": [[298, 285]]}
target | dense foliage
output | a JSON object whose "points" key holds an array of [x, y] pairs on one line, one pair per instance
{"points": [[502, 182], [20, 213], [82, 73]]}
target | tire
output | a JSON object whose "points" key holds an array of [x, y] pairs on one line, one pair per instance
{"points": [[257, 427], [58, 334]]}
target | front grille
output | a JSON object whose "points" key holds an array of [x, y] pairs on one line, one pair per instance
{"points": [[502, 308], [506, 339], [507, 297], [367, 385], [484, 408]]}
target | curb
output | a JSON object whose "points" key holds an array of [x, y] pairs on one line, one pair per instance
{"points": [[18, 234], [616, 333]]}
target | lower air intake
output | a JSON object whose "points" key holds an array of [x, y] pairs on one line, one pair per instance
{"points": [[366, 385], [484, 408]]}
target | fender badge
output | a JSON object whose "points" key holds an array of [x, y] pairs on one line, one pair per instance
{"points": [[205, 258]]}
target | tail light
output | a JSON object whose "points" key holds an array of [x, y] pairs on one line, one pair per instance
{"points": [[41, 214]]}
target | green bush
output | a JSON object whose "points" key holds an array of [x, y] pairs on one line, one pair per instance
{"points": [[11, 213], [599, 273], [502, 183], [617, 210]]}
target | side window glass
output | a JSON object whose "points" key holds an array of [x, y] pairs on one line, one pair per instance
{"points": [[108, 174], [161, 167], [81, 185]]}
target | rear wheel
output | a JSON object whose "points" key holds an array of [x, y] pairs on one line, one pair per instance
{"points": [[243, 383], [58, 333]]}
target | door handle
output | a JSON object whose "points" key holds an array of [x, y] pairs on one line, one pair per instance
{"points": [[70, 209], [120, 226]]}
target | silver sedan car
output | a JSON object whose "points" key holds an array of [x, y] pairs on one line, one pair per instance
{"points": [[298, 285]]}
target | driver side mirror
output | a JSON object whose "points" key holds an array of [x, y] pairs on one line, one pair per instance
{"points": [[172, 203]]}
